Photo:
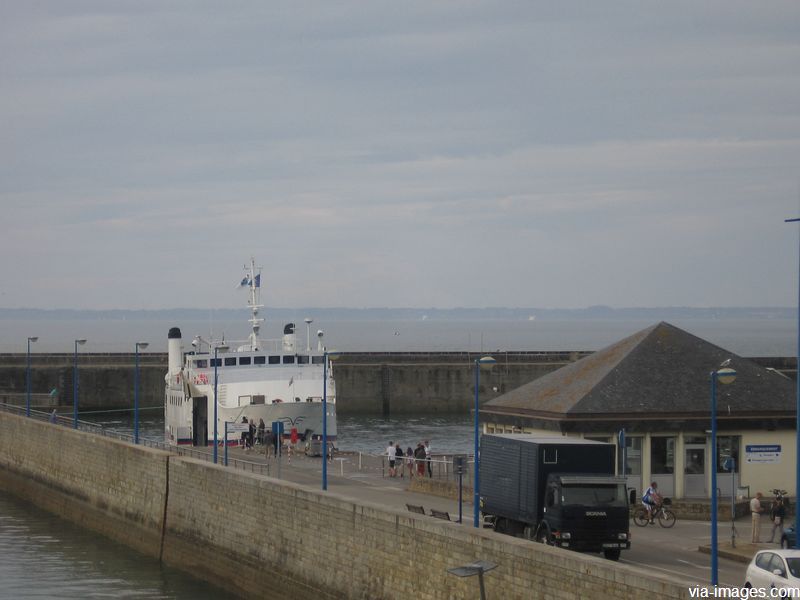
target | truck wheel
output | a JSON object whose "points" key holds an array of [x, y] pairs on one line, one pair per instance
{"points": [[543, 534], [612, 554]]}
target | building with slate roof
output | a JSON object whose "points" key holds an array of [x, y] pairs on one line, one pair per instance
{"points": [[656, 386]]}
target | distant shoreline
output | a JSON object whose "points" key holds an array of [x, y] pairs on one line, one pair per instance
{"points": [[370, 314]]}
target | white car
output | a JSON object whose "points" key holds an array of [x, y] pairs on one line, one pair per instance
{"points": [[774, 569]]}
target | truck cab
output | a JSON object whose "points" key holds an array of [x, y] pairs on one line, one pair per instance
{"points": [[586, 513]]}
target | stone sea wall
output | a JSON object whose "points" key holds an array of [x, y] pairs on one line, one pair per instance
{"points": [[264, 537]]}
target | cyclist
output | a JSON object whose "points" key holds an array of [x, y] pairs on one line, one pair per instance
{"points": [[651, 499]]}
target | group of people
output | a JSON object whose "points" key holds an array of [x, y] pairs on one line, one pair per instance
{"points": [[254, 434], [777, 514], [411, 461]]}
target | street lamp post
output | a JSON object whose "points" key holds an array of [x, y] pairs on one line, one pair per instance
{"points": [[141, 345], [28, 378], [217, 348], [328, 355], [78, 342], [724, 375], [797, 406], [486, 363]]}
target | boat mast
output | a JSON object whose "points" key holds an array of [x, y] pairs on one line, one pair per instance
{"points": [[254, 302]]}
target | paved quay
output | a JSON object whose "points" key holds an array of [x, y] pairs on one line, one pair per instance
{"points": [[365, 478], [362, 477]]}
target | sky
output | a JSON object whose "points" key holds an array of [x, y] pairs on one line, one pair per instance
{"points": [[399, 154]]}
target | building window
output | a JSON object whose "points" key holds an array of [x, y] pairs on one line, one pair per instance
{"points": [[230, 361], [288, 359], [662, 455], [258, 399], [274, 360], [727, 447], [201, 363], [259, 360], [302, 359], [633, 456], [317, 360], [216, 362]]}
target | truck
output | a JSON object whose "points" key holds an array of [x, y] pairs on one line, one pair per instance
{"points": [[555, 490]]}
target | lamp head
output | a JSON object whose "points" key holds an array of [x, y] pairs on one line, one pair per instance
{"points": [[333, 354], [308, 320], [81, 341], [725, 375], [486, 362], [33, 338], [142, 345], [222, 348]]}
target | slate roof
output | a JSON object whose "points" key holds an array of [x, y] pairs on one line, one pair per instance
{"points": [[660, 372]]}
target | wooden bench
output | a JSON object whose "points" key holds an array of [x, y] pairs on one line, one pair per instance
{"points": [[415, 509], [440, 514]]}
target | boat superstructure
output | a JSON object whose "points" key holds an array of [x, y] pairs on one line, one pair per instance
{"points": [[269, 380]]}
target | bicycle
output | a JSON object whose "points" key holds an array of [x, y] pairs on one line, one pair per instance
{"points": [[666, 518]]}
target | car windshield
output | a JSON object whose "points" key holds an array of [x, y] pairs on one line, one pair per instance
{"points": [[609, 494], [794, 565]]}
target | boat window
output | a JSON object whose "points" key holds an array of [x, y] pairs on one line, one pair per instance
{"points": [[274, 360], [288, 359], [244, 400], [244, 360], [201, 363], [302, 359], [230, 361], [259, 399], [259, 360], [317, 360], [216, 362]]}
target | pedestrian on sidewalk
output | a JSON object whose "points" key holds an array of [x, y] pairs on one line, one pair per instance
{"points": [[777, 515], [398, 452], [410, 461], [419, 457], [428, 457], [755, 511], [391, 454]]}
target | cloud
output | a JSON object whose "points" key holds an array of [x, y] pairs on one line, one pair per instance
{"points": [[454, 154]]}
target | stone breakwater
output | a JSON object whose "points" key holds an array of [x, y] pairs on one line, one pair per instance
{"points": [[260, 536]]}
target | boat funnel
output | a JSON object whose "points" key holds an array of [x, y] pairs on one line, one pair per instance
{"points": [[289, 339], [174, 350]]}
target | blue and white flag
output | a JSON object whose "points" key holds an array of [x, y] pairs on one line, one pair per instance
{"points": [[245, 281], [258, 280]]}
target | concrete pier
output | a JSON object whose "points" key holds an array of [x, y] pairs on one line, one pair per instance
{"points": [[377, 383]]}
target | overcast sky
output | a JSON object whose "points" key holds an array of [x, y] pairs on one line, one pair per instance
{"points": [[401, 154]]}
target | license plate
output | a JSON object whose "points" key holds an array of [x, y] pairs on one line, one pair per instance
{"points": [[611, 546]]}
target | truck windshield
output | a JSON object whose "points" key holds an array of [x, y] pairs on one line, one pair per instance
{"points": [[611, 494]]}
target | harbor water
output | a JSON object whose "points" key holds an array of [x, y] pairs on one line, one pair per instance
{"points": [[43, 556]]}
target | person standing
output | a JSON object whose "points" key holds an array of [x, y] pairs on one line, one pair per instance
{"points": [[777, 515], [391, 454], [398, 452], [419, 457], [269, 443], [755, 511], [428, 457], [410, 461]]}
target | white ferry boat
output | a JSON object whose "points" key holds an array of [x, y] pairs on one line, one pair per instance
{"points": [[269, 380]]}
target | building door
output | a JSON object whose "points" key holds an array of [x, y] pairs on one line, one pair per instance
{"points": [[694, 471], [200, 421]]}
